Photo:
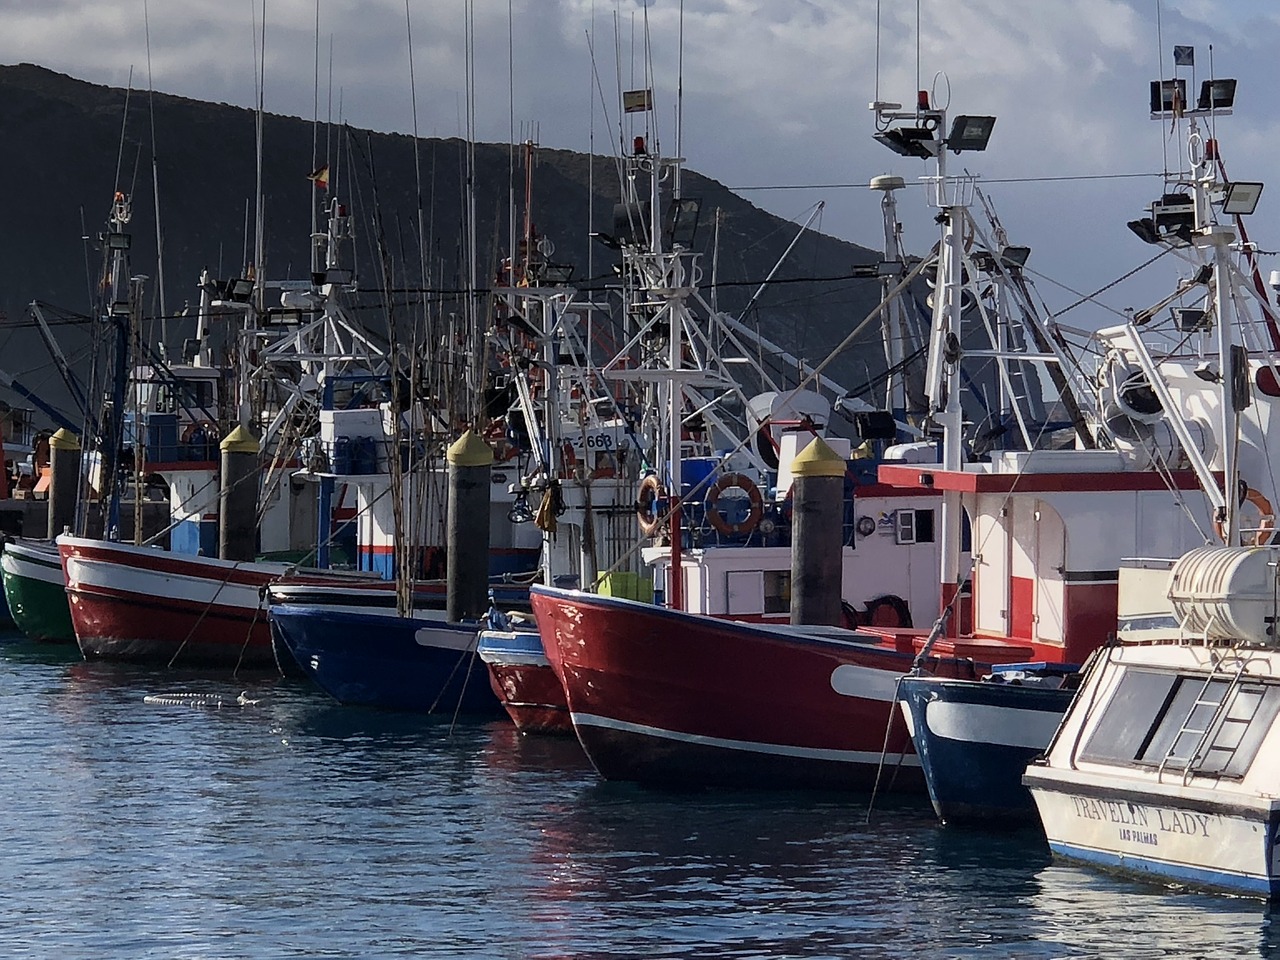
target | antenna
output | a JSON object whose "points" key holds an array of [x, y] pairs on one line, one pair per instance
{"points": [[675, 180], [155, 189]]}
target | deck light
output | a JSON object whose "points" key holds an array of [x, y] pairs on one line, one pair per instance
{"points": [[1168, 96], [910, 141], [1015, 256], [1217, 95], [1241, 198], [970, 133]]}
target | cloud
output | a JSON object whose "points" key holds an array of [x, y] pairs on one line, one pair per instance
{"points": [[773, 93]]}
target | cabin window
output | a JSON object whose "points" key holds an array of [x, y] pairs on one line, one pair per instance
{"points": [[777, 591], [1128, 733], [913, 526]]}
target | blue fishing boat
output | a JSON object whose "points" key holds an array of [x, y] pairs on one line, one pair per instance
{"points": [[975, 738], [374, 658]]}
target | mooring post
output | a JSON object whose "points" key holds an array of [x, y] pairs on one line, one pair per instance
{"points": [[238, 496], [64, 480], [817, 540], [467, 529]]}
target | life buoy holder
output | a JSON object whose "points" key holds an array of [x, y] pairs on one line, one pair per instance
{"points": [[1266, 525], [648, 511], [755, 511]]}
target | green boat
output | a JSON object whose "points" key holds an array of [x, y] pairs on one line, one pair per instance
{"points": [[36, 591]]}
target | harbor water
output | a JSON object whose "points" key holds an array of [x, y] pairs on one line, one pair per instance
{"points": [[287, 826]]}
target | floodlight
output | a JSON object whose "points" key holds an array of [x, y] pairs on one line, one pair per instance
{"points": [[1217, 95], [682, 221], [119, 241], [1145, 230], [1241, 198], [1015, 256], [1168, 96], [910, 141], [1189, 319], [970, 133], [552, 273], [239, 290]]}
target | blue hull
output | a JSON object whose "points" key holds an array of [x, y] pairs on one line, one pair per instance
{"points": [[1197, 877], [376, 660], [975, 739]]}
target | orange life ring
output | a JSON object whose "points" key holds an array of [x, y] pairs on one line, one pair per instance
{"points": [[208, 426], [648, 513], [747, 486], [1266, 525]]}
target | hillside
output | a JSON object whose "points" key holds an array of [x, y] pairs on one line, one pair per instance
{"points": [[63, 146]]}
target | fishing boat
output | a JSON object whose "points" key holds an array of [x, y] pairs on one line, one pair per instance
{"points": [[187, 606], [35, 590], [142, 604], [605, 421], [1049, 549], [663, 693]]}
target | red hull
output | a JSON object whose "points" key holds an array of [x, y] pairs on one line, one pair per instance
{"points": [[532, 696], [663, 696], [147, 606]]}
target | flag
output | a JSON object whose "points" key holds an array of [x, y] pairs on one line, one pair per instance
{"points": [[320, 177], [1184, 56], [637, 101]]}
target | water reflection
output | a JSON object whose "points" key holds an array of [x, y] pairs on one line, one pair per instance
{"points": [[303, 828]]}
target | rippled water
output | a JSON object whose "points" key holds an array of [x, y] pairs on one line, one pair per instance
{"points": [[296, 828]]}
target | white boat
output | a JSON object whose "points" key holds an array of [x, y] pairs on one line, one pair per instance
{"points": [[1167, 761]]}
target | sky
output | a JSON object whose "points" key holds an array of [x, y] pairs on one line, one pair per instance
{"points": [[775, 94]]}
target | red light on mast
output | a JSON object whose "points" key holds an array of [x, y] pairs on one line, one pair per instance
{"points": [[922, 100], [1211, 149], [638, 146]]}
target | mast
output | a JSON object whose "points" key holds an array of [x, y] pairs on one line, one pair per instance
{"points": [[923, 133]]}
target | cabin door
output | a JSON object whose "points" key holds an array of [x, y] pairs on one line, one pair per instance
{"points": [[1050, 581], [991, 572]]}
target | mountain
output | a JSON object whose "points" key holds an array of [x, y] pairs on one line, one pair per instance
{"points": [[69, 145]]}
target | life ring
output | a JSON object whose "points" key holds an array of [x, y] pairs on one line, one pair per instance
{"points": [[756, 511], [886, 611], [208, 426], [648, 513], [1266, 525]]}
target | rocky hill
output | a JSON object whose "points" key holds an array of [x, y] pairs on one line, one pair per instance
{"points": [[69, 145]]}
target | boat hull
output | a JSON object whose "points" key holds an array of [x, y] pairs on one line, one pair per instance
{"points": [[36, 591], [148, 606], [524, 682], [417, 664], [975, 739], [662, 696], [1213, 845]]}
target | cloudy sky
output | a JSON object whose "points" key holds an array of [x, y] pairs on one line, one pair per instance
{"points": [[775, 92]]}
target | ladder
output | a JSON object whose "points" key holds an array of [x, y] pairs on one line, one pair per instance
{"points": [[1218, 700]]}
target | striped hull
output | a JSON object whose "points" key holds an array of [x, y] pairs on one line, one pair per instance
{"points": [[36, 592], [975, 740], [522, 679], [148, 606], [662, 696]]}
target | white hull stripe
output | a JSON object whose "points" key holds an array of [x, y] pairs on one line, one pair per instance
{"points": [[31, 570], [94, 577], [1003, 726], [746, 746]]}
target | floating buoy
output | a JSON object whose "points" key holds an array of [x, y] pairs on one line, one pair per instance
{"points": [[198, 700]]}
